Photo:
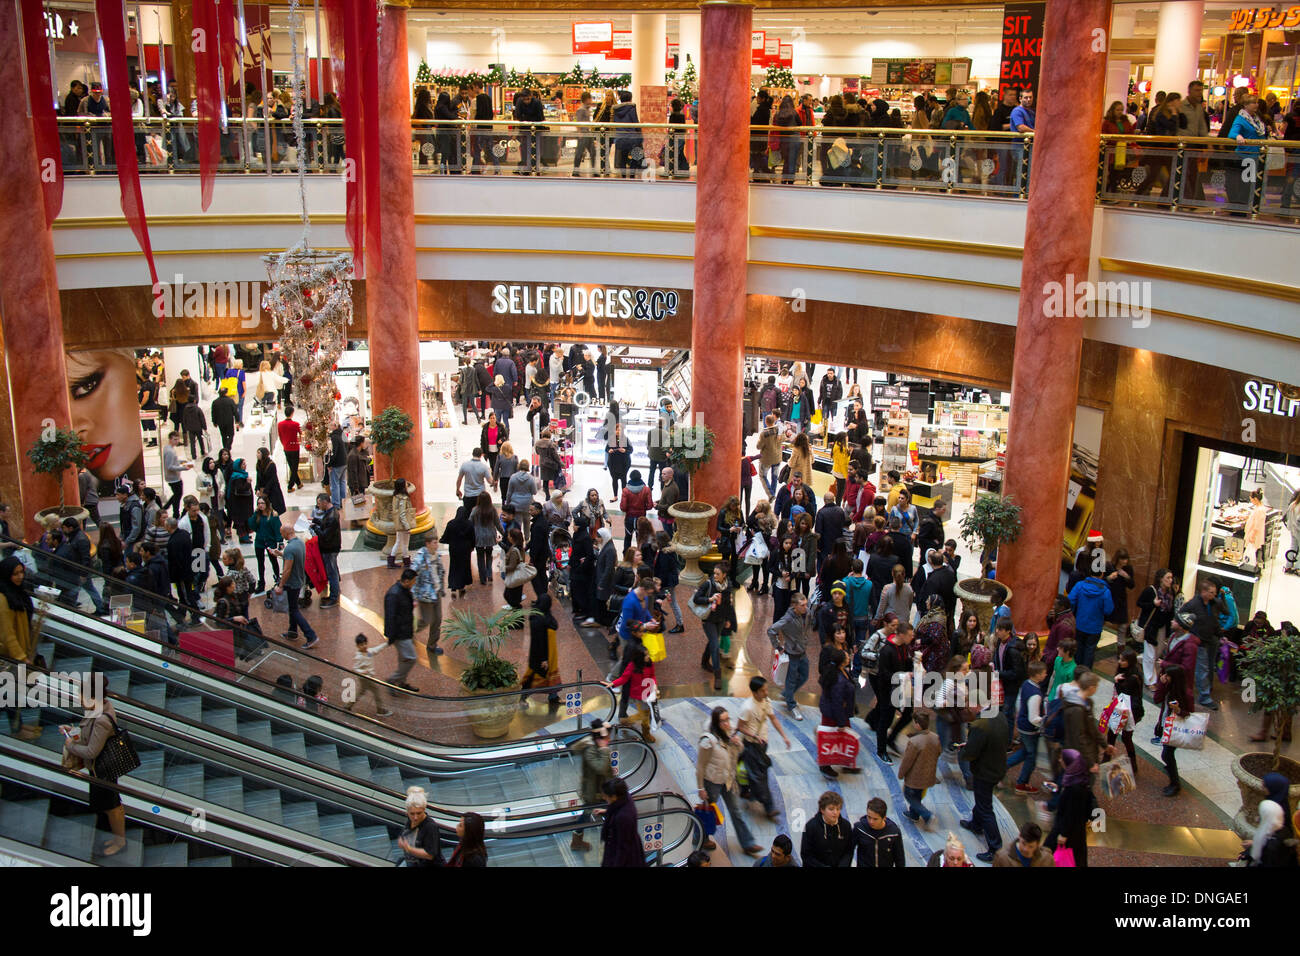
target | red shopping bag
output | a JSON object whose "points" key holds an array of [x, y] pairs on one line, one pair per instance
{"points": [[1063, 856], [836, 746], [314, 567]]}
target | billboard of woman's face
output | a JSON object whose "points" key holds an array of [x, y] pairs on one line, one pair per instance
{"points": [[106, 411]]}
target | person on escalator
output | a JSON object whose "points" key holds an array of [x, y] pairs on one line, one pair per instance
{"points": [[471, 850], [619, 831], [597, 768], [419, 842]]}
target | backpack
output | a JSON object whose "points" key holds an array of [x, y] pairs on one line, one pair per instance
{"points": [[769, 398], [1228, 619], [1054, 719]]}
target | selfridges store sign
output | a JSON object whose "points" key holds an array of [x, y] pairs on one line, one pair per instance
{"points": [[583, 302]]}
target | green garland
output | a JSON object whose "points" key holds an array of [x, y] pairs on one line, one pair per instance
{"points": [[514, 79]]}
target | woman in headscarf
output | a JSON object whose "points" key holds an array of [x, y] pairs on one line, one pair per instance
{"points": [[1274, 841], [932, 638], [1070, 828], [17, 641], [458, 536], [543, 657]]}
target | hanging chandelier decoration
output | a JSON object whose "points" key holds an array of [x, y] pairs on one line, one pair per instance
{"points": [[310, 295]]}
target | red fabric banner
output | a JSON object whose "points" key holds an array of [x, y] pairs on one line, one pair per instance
{"points": [[228, 44], [45, 125], [342, 22], [207, 82], [111, 17]]}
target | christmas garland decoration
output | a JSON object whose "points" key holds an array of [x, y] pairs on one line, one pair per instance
{"points": [[514, 79], [779, 77]]}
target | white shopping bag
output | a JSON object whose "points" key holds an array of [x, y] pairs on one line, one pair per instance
{"points": [[780, 664]]}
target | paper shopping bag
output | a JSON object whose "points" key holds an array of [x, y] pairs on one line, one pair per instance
{"points": [[780, 665], [836, 746]]}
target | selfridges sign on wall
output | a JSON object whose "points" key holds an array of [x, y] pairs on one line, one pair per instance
{"points": [[596, 303]]}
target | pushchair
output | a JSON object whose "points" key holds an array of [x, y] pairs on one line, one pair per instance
{"points": [[558, 570]]}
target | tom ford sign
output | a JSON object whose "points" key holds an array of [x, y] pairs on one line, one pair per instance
{"points": [[584, 302]]}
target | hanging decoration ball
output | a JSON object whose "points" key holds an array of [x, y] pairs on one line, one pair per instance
{"points": [[308, 324], [338, 396]]}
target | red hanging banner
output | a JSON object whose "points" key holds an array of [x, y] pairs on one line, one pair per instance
{"points": [[45, 125], [342, 26], [369, 105], [111, 17], [207, 84]]}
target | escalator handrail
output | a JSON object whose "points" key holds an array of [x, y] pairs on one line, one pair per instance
{"points": [[179, 728], [354, 721], [171, 603], [38, 758]]}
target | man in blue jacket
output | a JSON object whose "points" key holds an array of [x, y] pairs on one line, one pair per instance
{"points": [[857, 595], [1092, 602]]}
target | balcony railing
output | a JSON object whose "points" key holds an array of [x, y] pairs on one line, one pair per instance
{"points": [[1258, 179]]}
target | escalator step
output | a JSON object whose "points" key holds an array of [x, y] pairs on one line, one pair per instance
{"points": [[375, 840], [210, 861], [225, 719], [167, 854], [131, 855], [355, 766], [155, 695], [185, 778], [151, 766], [303, 817], [71, 836], [325, 755], [338, 828], [187, 707], [119, 681], [80, 663], [256, 732], [263, 804], [24, 820], [290, 744], [390, 778], [225, 791]]}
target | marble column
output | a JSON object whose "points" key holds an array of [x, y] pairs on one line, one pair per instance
{"points": [[391, 313], [688, 41], [1058, 234], [649, 49], [29, 294], [1178, 45], [721, 244]]}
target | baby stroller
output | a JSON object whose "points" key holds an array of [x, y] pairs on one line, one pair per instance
{"points": [[561, 546]]}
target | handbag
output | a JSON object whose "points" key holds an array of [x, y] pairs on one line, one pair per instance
{"points": [[521, 575], [359, 500], [1186, 732], [118, 756], [780, 666], [1063, 856], [707, 814]]}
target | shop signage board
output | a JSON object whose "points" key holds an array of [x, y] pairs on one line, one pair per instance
{"points": [[786, 57], [757, 44], [771, 51], [1249, 19], [1022, 46], [670, 58], [593, 37], [622, 46], [585, 302], [652, 107], [920, 72], [1266, 397]]}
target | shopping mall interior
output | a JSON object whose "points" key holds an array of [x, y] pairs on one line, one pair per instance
{"points": [[431, 326]]}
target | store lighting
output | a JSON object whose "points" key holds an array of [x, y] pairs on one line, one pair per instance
{"points": [[1240, 81], [1219, 90]]}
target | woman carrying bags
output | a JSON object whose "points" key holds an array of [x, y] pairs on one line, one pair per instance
{"points": [[837, 701], [715, 775]]}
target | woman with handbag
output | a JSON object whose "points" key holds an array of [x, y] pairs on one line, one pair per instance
{"points": [[715, 776], [712, 603], [266, 540], [1128, 680], [731, 535], [837, 701], [618, 459], [487, 530], [635, 503], [240, 503], [760, 525], [104, 752], [399, 547], [1177, 699], [517, 572], [268, 481], [1070, 827], [639, 675], [229, 610], [1156, 606]]}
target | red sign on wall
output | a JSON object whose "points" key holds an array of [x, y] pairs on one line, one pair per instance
{"points": [[593, 37], [787, 55], [1022, 46], [622, 46], [757, 43]]}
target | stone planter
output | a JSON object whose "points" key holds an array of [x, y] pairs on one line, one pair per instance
{"points": [[977, 597], [1250, 769], [491, 719], [382, 514], [691, 540]]}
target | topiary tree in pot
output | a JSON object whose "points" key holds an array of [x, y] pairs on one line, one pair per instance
{"points": [[488, 672], [53, 453], [690, 449], [987, 523], [389, 431], [1270, 673]]}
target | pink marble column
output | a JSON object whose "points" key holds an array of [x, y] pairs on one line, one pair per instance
{"points": [[721, 244], [1058, 233], [391, 313], [29, 290]]}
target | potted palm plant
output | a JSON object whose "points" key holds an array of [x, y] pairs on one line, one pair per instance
{"points": [[53, 453], [987, 523], [1270, 672], [690, 449], [389, 431], [488, 673]]}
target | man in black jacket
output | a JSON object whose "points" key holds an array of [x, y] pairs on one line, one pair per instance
{"points": [[180, 564], [929, 534], [399, 627], [224, 412], [78, 545], [329, 538], [902, 545], [878, 840], [986, 753], [336, 464], [1207, 629], [829, 396], [895, 659], [828, 838], [528, 109], [829, 525], [941, 581], [1011, 661]]}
